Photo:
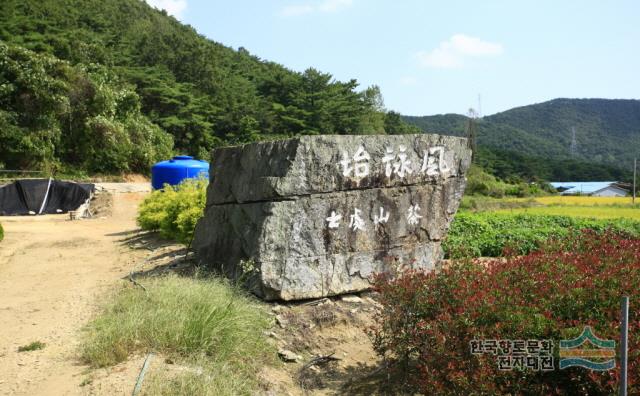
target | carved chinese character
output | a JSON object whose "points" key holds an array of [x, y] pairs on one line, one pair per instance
{"points": [[433, 162], [334, 220], [356, 223], [360, 165], [413, 217], [401, 167], [382, 218]]}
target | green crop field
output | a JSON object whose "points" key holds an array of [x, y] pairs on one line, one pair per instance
{"points": [[486, 226]]}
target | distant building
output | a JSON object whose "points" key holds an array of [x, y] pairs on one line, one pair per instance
{"points": [[594, 189]]}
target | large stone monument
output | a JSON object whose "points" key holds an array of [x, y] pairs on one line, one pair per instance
{"points": [[316, 216]]}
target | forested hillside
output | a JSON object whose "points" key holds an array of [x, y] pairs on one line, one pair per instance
{"points": [[535, 140], [114, 85], [78, 78], [53, 113]]}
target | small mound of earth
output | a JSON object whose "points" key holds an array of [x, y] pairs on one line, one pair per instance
{"points": [[325, 348], [101, 204], [135, 178]]}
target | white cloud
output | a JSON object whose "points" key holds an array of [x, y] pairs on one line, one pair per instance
{"points": [[324, 6], [408, 80], [334, 5], [297, 9], [173, 7], [453, 52]]}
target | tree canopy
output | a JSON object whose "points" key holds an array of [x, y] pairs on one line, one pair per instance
{"points": [[79, 76]]}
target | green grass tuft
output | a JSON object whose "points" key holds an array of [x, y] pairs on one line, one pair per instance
{"points": [[34, 346], [203, 322], [202, 378]]}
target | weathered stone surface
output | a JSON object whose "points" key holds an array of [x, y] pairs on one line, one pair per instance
{"points": [[352, 299], [312, 164], [318, 216], [288, 356]]}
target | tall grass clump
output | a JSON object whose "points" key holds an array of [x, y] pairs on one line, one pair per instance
{"points": [[202, 322], [174, 210], [1, 233]]}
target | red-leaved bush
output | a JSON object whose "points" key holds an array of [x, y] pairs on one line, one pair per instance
{"points": [[429, 319]]}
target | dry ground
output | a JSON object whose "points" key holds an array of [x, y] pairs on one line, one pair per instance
{"points": [[336, 355], [53, 273]]}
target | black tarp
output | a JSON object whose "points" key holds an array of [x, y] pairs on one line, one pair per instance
{"points": [[42, 196]]}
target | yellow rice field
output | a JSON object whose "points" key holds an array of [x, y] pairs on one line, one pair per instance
{"points": [[580, 210], [581, 206], [584, 201]]}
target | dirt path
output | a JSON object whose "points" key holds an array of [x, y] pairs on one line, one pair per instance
{"points": [[51, 271]]}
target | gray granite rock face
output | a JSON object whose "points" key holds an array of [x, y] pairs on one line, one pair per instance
{"points": [[319, 215]]}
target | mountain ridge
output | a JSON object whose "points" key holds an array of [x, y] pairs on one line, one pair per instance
{"points": [[534, 141], [558, 99], [607, 130]]}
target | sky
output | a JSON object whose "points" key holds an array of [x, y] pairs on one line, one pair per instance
{"points": [[448, 56]]}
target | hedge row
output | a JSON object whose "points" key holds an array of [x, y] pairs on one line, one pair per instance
{"points": [[489, 234]]}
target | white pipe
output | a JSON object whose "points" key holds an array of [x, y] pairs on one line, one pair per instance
{"points": [[46, 195]]}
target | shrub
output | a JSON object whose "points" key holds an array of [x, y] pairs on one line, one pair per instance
{"points": [[429, 319], [489, 234], [482, 183], [1, 233], [34, 346], [205, 324], [175, 210]]}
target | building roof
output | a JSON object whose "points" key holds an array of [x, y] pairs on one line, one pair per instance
{"points": [[581, 187]]}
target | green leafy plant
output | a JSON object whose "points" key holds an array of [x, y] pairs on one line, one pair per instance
{"points": [[174, 210], [429, 319]]}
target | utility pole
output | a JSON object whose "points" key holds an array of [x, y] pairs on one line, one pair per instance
{"points": [[624, 345], [635, 164], [472, 132]]}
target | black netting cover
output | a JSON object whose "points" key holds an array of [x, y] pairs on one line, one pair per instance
{"points": [[42, 196]]}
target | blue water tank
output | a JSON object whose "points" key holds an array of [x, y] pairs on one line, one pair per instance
{"points": [[177, 169]]}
